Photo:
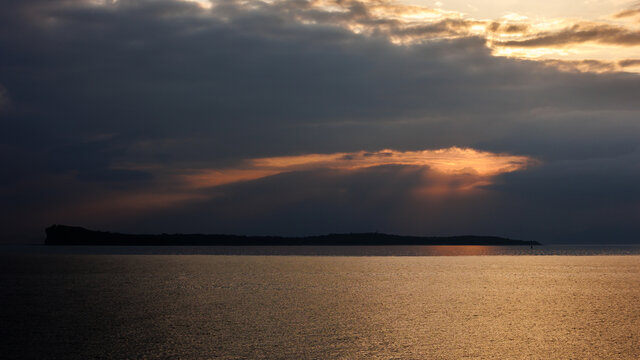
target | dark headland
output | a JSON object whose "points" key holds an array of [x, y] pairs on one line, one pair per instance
{"points": [[73, 235]]}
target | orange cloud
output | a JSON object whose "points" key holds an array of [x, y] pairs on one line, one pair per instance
{"points": [[453, 161], [627, 13], [580, 33]]}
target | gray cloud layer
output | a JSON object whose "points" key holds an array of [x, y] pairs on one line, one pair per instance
{"points": [[169, 85]]}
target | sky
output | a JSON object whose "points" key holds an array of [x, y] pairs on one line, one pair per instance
{"points": [[295, 117]]}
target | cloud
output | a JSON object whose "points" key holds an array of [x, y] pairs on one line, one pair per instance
{"points": [[592, 66], [629, 62], [627, 13], [579, 33], [509, 28], [483, 165], [632, 12]]}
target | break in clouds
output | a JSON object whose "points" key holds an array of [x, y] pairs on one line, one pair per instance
{"points": [[159, 116]]}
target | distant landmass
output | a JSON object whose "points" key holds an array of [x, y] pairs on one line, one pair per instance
{"points": [[74, 235]]}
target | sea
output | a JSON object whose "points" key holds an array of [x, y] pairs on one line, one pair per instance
{"points": [[372, 302]]}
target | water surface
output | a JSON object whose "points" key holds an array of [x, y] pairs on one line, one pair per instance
{"points": [[277, 307]]}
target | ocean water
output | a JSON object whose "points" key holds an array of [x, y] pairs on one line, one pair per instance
{"points": [[124, 306]]}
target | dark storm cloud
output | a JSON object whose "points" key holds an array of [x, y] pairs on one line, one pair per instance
{"points": [[104, 99]]}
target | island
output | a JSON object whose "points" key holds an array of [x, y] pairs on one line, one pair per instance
{"points": [[74, 235]]}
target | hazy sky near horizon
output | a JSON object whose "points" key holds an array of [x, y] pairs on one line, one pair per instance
{"points": [[299, 117]]}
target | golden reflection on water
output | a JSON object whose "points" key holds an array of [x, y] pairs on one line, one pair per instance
{"points": [[444, 250], [315, 307]]}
